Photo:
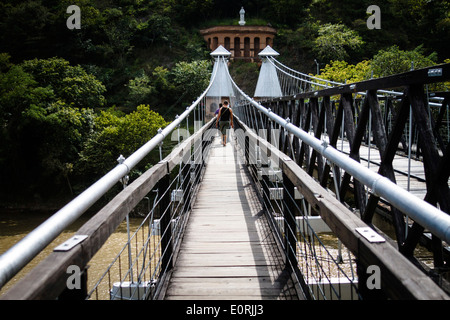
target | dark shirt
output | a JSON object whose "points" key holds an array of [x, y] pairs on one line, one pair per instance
{"points": [[225, 114]]}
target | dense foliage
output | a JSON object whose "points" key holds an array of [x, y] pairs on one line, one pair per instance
{"points": [[71, 101], [115, 134]]}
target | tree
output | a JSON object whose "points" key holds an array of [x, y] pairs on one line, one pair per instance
{"points": [[153, 30], [189, 12], [45, 119], [341, 71], [191, 78], [61, 131], [334, 42], [119, 29], [288, 12], [140, 89], [70, 84], [115, 134], [20, 21], [393, 61]]}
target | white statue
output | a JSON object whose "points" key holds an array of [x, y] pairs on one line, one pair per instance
{"points": [[242, 13]]}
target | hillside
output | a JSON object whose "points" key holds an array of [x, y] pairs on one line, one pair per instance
{"points": [[68, 95], [121, 40]]}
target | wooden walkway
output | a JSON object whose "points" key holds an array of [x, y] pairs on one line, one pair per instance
{"points": [[228, 251]]}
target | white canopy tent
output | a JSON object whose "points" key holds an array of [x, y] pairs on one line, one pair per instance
{"points": [[221, 88], [268, 85]]}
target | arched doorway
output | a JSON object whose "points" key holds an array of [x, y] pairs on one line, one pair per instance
{"points": [[246, 47], [237, 47]]}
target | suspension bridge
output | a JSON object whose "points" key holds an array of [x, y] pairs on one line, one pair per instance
{"points": [[289, 209]]}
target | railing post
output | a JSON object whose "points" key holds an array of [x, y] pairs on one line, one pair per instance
{"points": [[290, 230], [290, 234], [186, 186], [165, 223], [247, 150]]}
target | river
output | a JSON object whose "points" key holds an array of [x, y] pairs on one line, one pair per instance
{"points": [[16, 225]]}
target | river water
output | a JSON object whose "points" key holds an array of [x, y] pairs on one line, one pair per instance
{"points": [[16, 225]]}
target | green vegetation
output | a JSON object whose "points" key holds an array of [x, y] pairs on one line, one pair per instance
{"points": [[334, 42], [72, 101], [393, 60], [341, 71], [386, 62], [117, 133]]}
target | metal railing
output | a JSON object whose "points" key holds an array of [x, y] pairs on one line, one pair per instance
{"points": [[429, 216], [15, 258], [266, 123], [294, 82], [137, 272], [324, 272]]}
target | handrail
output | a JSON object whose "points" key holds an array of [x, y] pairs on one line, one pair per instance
{"points": [[437, 221], [13, 260], [310, 259], [48, 279]]}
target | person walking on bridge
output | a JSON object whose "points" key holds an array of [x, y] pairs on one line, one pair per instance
{"points": [[224, 121]]}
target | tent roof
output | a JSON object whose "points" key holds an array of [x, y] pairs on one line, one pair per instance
{"points": [[268, 52], [221, 51]]}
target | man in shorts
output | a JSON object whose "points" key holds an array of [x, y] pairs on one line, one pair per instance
{"points": [[224, 121]]}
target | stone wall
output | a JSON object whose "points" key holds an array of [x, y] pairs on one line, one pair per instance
{"points": [[244, 42]]}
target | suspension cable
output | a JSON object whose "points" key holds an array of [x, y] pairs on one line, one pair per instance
{"points": [[278, 65], [437, 221], [13, 260]]}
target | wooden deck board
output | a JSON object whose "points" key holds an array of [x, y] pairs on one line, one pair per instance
{"points": [[228, 251]]}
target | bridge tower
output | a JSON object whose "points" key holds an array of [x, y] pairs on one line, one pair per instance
{"points": [[268, 85], [221, 88]]}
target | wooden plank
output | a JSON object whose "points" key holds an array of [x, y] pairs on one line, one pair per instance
{"points": [[220, 291], [225, 260], [49, 277], [226, 272], [230, 248], [228, 252], [230, 283]]}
